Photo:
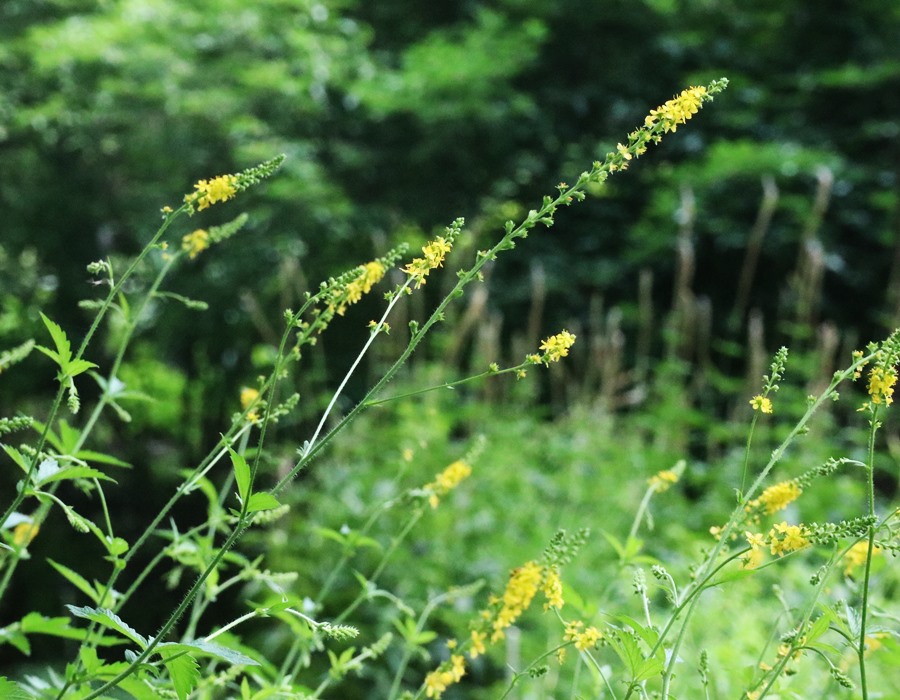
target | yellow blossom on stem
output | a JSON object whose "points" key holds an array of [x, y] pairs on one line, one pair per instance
{"points": [[662, 480], [437, 681], [523, 584], [762, 404], [553, 589], [24, 533], [777, 497], [556, 347], [677, 110], [372, 274], [881, 385], [584, 637], [784, 538], [195, 243], [209, 192], [250, 396], [433, 256], [856, 556], [447, 480], [755, 556], [478, 639]]}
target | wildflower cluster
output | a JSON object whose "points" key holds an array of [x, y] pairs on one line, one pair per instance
{"points": [[433, 254], [224, 187], [448, 673], [490, 627], [336, 294], [250, 398], [555, 347], [661, 481], [883, 375], [446, 481], [677, 110], [584, 638], [775, 498], [195, 243]]}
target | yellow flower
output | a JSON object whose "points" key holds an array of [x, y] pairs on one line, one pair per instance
{"points": [[881, 385], [761, 403], [433, 256], [250, 396], [219, 189], [24, 533], [447, 480], [478, 648], [677, 110], [784, 538], [584, 638], [523, 584], [436, 683], [662, 480], [557, 346], [195, 243], [457, 667], [755, 556], [553, 589], [856, 556], [777, 497], [372, 274]]}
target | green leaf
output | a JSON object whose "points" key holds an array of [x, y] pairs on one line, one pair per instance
{"points": [[210, 649], [91, 456], [11, 691], [16, 456], [109, 619], [241, 474], [35, 623], [262, 501], [76, 367], [76, 579], [63, 353], [184, 672], [75, 473]]}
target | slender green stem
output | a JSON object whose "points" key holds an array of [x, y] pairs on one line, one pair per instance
{"points": [[870, 497]]}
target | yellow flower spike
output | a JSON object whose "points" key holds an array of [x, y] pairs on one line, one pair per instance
{"points": [[881, 385], [663, 480], [677, 110], [556, 347], [784, 538], [520, 590], [195, 243], [777, 497], [446, 481], [478, 648], [209, 192], [552, 589]]}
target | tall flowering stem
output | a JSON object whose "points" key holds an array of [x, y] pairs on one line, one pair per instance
{"points": [[659, 122]]}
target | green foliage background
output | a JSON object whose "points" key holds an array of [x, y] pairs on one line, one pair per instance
{"points": [[397, 117]]}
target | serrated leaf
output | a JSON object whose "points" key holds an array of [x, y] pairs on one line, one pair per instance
{"points": [[76, 367], [109, 619], [184, 672], [76, 579], [241, 474], [263, 500], [210, 649], [63, 348]]}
